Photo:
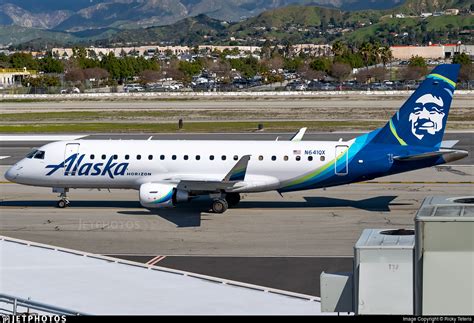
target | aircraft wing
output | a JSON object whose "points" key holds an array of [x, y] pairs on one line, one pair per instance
{"points": [[445, 153], [205, 186], [206, 183]]}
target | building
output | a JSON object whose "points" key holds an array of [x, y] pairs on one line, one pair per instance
{"points": [[13, 76], [435, 51]]}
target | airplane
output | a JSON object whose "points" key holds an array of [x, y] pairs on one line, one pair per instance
{"points": [[169, 172]]}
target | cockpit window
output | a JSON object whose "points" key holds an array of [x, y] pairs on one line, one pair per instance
{"points": [[32, 153], [39, 154]]}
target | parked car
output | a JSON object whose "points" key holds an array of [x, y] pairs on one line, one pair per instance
{"points": [[70, 90], [133, 88]]}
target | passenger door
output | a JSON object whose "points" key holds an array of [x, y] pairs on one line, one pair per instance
{"points": [[70, 150], [341, 162]]}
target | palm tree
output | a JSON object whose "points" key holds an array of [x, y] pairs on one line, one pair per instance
{"points": [[367, 51], [385, 55], [338, 48]]}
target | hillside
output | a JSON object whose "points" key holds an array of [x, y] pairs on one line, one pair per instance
{"points": [[291, 24], [80, 15], [192, 31]]}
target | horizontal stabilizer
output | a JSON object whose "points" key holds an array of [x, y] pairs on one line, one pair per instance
{"points": [[447, 154], [237, 173], [448, 143]]}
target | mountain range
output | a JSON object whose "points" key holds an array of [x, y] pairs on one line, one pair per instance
{"points": [[191, 22], [80, 15]]}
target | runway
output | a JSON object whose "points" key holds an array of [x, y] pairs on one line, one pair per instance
{"points": [[282, 242]]}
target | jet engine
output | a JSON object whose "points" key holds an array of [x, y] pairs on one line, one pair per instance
{"points": [[156, 195]]}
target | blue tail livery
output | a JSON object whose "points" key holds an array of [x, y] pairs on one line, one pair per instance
{"points": [[422, 119]]}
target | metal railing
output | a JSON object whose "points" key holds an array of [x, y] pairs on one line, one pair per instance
{"points": [[27, 304]]}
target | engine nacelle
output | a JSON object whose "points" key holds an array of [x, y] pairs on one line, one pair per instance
{"points": [[156, 196]]}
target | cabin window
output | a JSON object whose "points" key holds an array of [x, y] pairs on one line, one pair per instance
{"points": [[285, 158], [310, 158], [236, 157], [173, 157], [185, 157], [322, 158], [260, 157], [274, 158], [162, 157], [211, 157], [298, 158], [92, 156], [115, 157], [150, 157], [139, 157], [223, 157], [39, 154], [127, 157], [198, 157], [103, 156]]}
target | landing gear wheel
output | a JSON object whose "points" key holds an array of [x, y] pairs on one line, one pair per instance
{"points": [[219, 206], [232, 199], [62, 204]]}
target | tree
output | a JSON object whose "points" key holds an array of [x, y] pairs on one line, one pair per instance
{"points": [[340, 71], [75, 75], [416, 68], [221, 68], [190, 69], [417, 61], [466, 72], [23, 60], [338, 48], [292, 64], [275, 63], [320, 64], [96, 73], [149, 76], [462, 59], [42, 81], [367, 52], [51, 65], [385, 55], [308, 73]]}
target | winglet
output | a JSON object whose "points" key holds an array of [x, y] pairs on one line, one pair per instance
{"points": [[299, 135], [237, 173]]}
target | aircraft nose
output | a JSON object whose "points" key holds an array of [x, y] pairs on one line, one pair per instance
{"points": [[12, 173]]}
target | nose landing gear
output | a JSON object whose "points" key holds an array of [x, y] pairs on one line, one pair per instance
{"points": [[64, 201]]}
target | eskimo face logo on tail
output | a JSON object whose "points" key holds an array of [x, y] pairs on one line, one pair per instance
{"points": [[73, 166], [427, 116]]}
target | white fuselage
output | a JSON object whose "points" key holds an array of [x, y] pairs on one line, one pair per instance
{"points": [[271, 163]]}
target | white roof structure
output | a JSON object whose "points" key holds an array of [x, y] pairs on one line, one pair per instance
{"points": [[92, 284]]}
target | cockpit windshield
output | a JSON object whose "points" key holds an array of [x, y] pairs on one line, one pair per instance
{"points": [[32, 153], [36, 154], [39, 154]]}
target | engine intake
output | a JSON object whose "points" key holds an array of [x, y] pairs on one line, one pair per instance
{"points": [[157, 196]]}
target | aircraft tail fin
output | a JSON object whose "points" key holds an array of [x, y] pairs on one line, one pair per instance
{"points": [[421, 120]]}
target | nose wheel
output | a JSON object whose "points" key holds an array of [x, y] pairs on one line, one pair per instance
{"points": [[63, 202]]}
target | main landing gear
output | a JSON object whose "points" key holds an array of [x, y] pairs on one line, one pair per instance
{"points": [[64, 201], [220, 205]]}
